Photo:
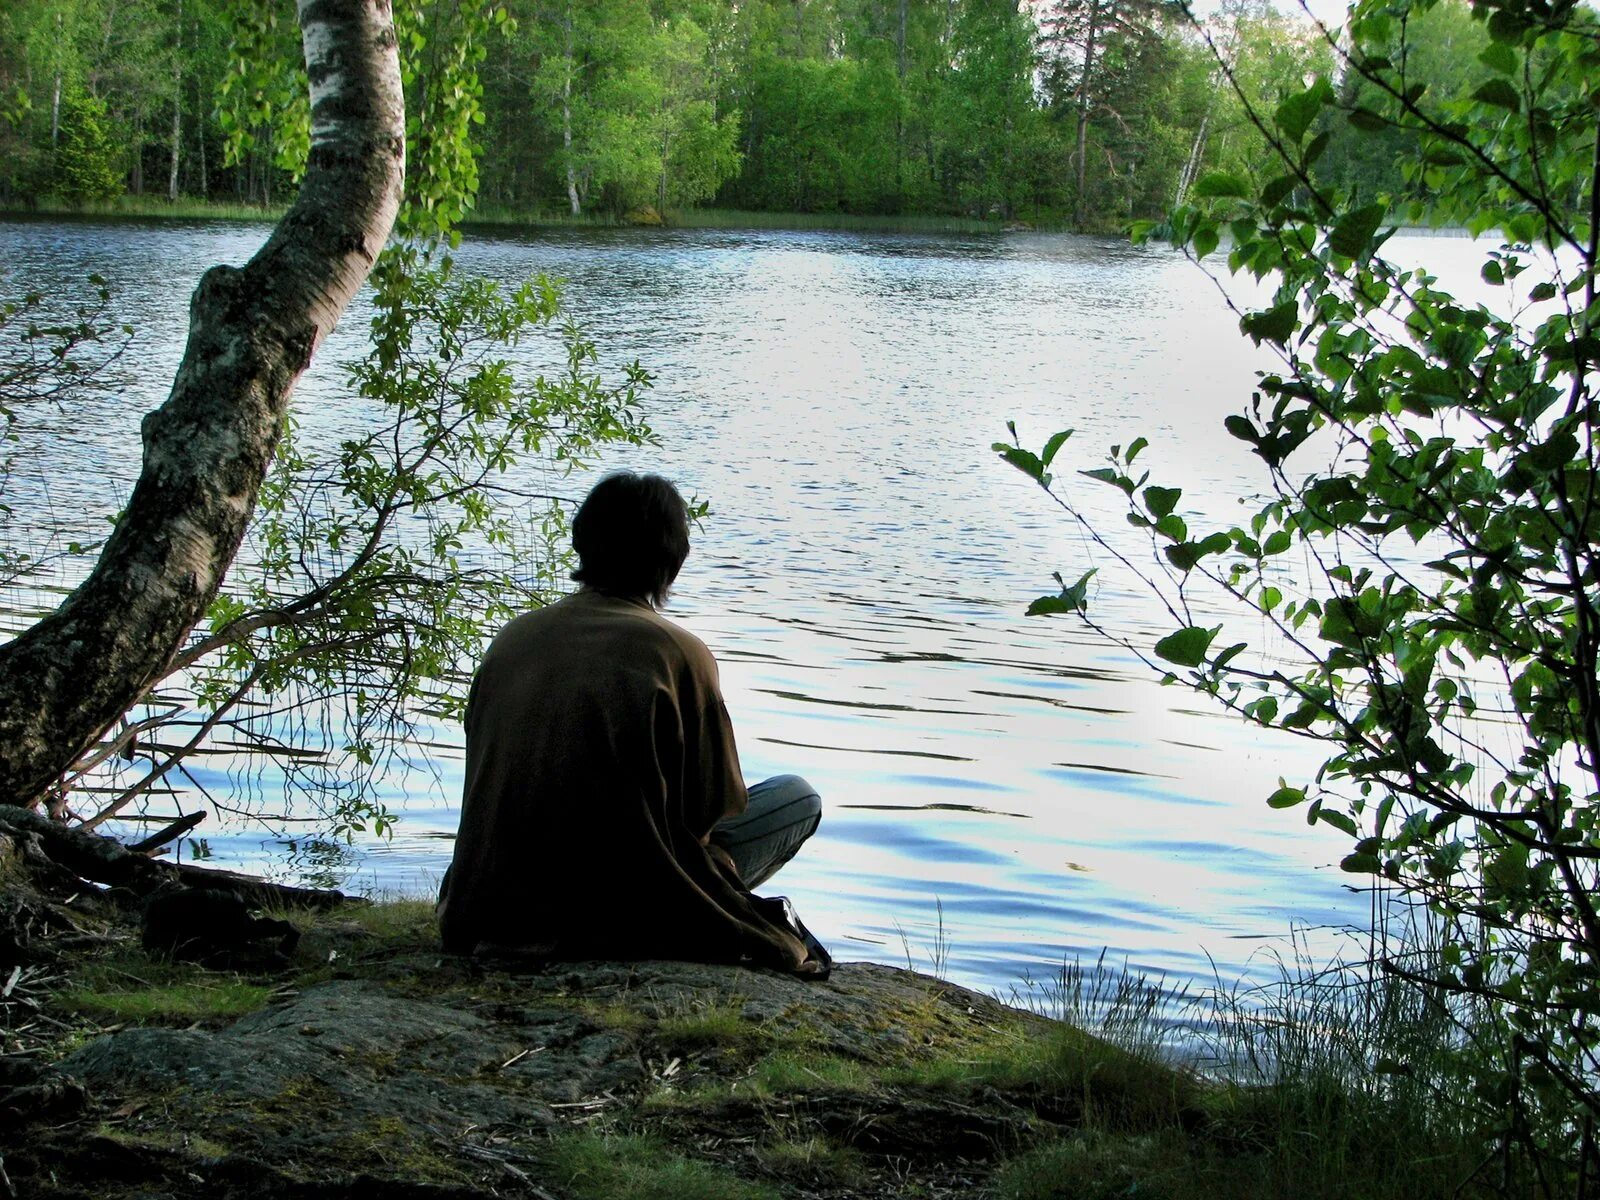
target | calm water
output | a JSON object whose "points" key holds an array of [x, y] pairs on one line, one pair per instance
{"points": [[1013, 789]]}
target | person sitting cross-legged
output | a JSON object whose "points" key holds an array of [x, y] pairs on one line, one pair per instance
{"points": [[604, 813]]}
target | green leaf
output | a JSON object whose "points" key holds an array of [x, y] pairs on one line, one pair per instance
{"points": [[1184, 555], [1187, 647], [1366, 120], [1295, 115], [1263, 710], [1277, 542], [1161, 500], [1054, 445], [1286, 797], [1104, 475], [1023, 460], [1352, 235], [1276, 324], [1338, 820], [1172, 527], [1361, 864], [1557, 451], [1278, 190], [1069, 600], [1228, 655], [1222, 183], [1241, 428], [1507, 26], [1500, 57], [1500, 94]]}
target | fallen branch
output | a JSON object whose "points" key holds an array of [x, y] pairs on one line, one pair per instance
{"points": [[171, 833], [103, 860]]}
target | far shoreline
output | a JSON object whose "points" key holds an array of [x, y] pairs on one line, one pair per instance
{"points": [[149, 208], [494, 218]]}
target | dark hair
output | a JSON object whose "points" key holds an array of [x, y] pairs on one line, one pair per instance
{"points": [[632, 535]]}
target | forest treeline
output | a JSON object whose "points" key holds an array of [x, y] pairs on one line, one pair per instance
{"points": [[1084, 112]]}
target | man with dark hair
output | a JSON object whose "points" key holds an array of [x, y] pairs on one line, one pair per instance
{"points": [[604, 814]]}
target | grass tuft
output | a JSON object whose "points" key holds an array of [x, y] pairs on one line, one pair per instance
{"points": [[592, 1166], [789, 1071], [813, 1160], [1330, 1082], [1096, 1167], [396, 920], [169, 1003], [701, 1027]]}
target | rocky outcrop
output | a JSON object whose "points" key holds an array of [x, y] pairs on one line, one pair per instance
{"points": [[409, 1073]]}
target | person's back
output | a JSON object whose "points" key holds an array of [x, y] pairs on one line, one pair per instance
{"points": [[599, 759]]}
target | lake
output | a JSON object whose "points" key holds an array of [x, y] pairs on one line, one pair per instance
{"points": [[1002, 793]]}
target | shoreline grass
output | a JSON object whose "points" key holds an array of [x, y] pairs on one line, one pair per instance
{"points": [[731, 218], [491, 216], [157, 208]]}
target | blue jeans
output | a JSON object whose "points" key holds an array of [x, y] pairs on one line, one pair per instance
{"points": [[784, 811]]}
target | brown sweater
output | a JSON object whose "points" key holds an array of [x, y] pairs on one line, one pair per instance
{"points": [[599, 756]]}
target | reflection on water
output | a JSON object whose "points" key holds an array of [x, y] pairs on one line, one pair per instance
{"points": [[1017, 784]]}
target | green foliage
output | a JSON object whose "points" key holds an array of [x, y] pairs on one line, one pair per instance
{"points": [[1109, 83], [263, 101], [816, 1160], [442, 47], [625, 100], [1100, 110], [989, 114], [88, 162], [1438, 48], [1428, 580], [375, 570]]}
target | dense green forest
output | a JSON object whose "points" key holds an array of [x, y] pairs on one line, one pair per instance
{"points": [[1086, 112]]}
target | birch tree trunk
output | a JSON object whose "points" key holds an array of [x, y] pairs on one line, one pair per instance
{"points": [[573, 200], [252, 331], [136, 174], [177, 107], [55, 92], [1191, 168], [900, 111], [200, 140], [1080, 152]]}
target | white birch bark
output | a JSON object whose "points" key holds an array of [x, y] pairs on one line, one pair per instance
{"points": [[1080, 152], [55, 92], [252, 332], [566, 121], [177, 107]]}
